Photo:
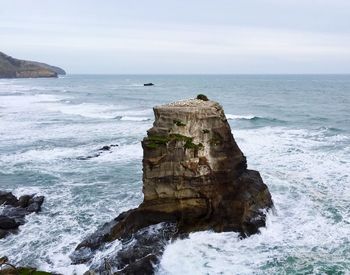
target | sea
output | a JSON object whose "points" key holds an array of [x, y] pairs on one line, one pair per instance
{"points": [[294, 129]]}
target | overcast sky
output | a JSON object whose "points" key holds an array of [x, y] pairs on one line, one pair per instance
{"points": [[180, 36]]}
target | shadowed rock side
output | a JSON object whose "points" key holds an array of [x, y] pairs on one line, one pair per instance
{"points": [[195, 178], [15, 68], [14, 210]]}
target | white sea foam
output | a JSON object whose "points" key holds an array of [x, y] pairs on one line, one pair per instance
{"points": [[41, 136], [238, 117], [44, 155], [122, 153], [26, 101], [135, 118], [100, 111], [311, 191], [88, 110]]}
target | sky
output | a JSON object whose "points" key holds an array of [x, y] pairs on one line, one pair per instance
{"points": [[180, 36]]}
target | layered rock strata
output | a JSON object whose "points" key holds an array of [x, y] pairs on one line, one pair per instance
{"points": [[195, 178]]}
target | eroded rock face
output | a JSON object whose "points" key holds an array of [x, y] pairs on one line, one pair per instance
{"points": [[194, 176]]}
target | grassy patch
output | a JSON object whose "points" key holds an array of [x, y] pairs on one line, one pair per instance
{"points": [[202, 97], [179, 123], [155, 141]]}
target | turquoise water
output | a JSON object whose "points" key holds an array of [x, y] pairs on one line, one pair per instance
{"points": [[294, 129]]}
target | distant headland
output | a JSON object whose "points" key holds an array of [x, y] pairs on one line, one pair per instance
{"points": [[15, 68]]}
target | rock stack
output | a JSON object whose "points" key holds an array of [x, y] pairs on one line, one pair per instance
{"points": [[195, 178]]}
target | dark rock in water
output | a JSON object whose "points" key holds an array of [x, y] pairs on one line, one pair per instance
{"points": [[8, 223], [195, 178], [15, 68], [3, 233], [89, 157], [148, 84], [139, 252], [7, 198], [14, 211], [107, 147], [100, 151], [23, 201], [35, 203]]}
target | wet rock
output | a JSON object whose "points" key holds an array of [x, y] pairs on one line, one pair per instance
{"points": [[195, 178], [14, 211], [89, 157], [7, 223], [3, 233], [148, 84], [108, 147], [35, 204], [100, 151], [23, 201], [7, 198]]}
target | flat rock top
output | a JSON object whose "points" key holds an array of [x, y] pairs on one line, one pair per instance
{"points": [[189, 103]]}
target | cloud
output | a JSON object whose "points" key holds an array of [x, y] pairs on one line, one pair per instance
{"points": [[277, 36]]}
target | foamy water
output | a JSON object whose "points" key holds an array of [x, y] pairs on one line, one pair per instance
{"points": [[302, 152]]}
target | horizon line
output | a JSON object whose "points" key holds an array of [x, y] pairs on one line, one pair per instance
{"points": [[184, 74]]}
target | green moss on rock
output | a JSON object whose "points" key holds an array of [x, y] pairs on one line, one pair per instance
{"points": [[202, 97], [154, 141], [22, 271], [179, 123]]}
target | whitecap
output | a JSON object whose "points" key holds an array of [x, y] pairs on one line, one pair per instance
{"points": [[238, 117], [134, 118]]}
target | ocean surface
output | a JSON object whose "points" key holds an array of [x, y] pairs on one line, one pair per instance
{"points": [[294, 129]]}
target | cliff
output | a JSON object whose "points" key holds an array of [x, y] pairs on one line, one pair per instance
{"points": [[195, 178], [15, 68]]}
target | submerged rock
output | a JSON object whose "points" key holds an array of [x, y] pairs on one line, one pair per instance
{"points": [[14, 210], [195, 178], [108, 147], [99, 152]]}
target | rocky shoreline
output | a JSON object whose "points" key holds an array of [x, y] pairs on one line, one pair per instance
{"points": [[14, 211], [195, 178]]}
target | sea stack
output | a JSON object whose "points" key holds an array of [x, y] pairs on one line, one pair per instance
{"points": [[195, 178]]}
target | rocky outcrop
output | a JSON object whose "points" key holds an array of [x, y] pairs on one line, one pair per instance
{"points": [[195, 178], [15, 68], [14, 211], [7, 268], [99, 152]]}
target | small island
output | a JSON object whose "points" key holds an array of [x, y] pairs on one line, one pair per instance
{"points": [[195, 178], [15, 68]]}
